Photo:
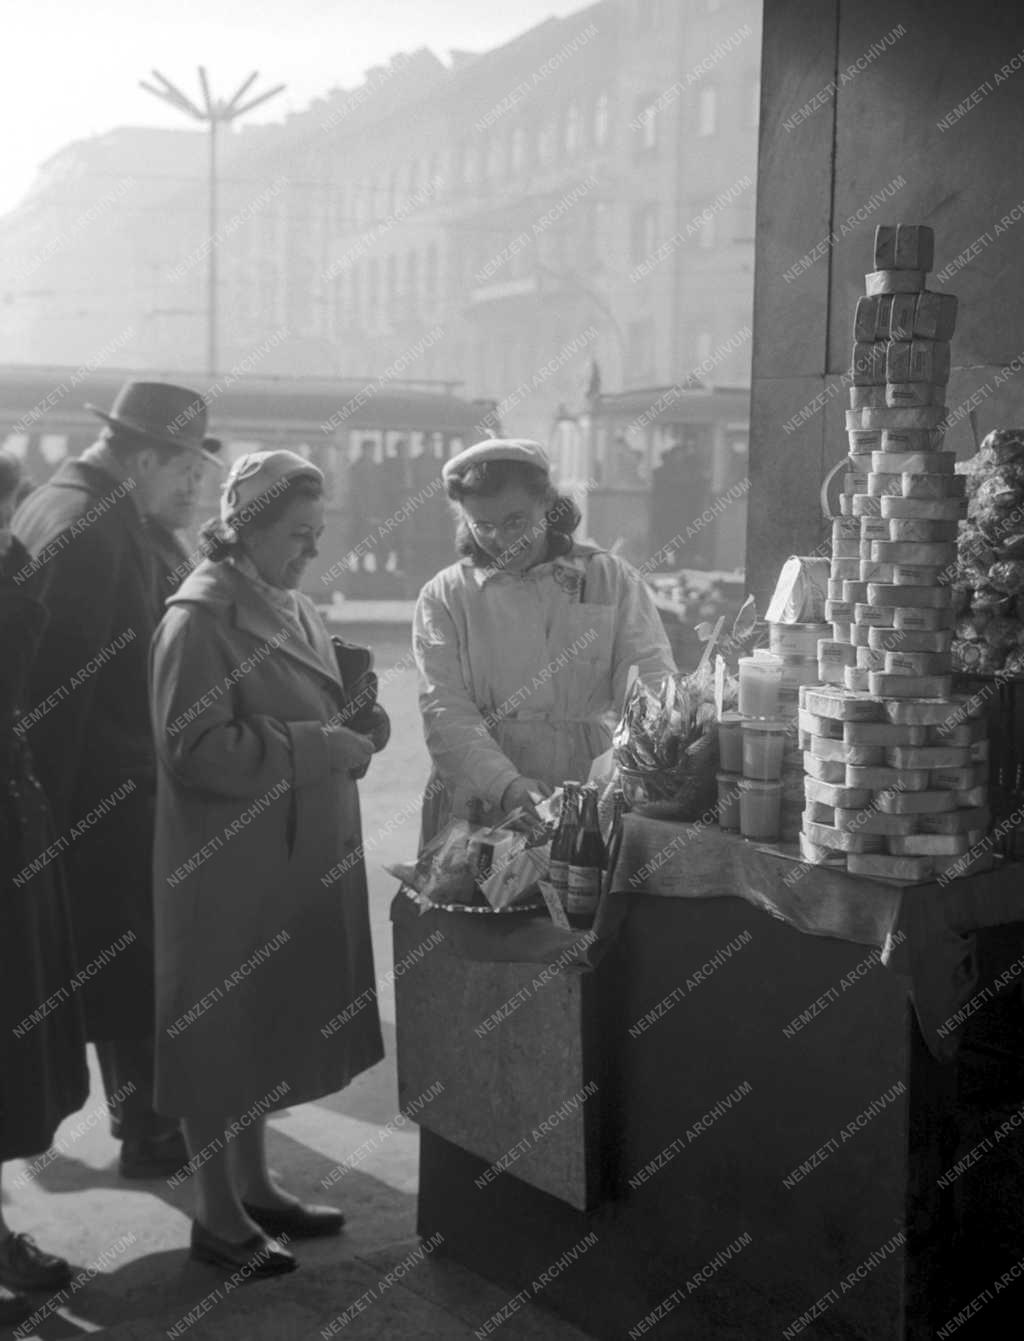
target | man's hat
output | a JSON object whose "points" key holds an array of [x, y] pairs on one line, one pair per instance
{"points": [[172, 416]]}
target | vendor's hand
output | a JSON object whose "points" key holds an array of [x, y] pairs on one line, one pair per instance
{"points": [[521, 793], [348, 749]]}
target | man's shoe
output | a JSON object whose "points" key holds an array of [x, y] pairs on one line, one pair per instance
{"points": [[14, 1308], [257, 1257], [24, 1265], [152, 1159], [298, 1222]]}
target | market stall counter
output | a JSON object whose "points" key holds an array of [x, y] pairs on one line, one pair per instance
{"points": [[734, 1104]]}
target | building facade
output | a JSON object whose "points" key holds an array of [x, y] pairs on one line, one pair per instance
{"points": [[566, 215]]}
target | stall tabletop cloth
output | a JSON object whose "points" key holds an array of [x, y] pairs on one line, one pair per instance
{"points": [[925, 932]]}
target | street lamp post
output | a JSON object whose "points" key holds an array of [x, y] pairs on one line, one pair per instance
{"points": [[213, 113]]}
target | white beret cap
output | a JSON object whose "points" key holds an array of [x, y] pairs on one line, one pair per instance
{"points": [[255, 474], [498, 449]]}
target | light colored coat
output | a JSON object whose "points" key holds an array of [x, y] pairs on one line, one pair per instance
{"points": [[518, 676], [261, 943]]}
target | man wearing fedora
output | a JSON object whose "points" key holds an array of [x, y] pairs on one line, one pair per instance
{"points": [[98, 531]]}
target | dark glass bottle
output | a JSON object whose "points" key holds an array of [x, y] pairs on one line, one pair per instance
{"points": [[615, 834], [618, 810], [561, 844], [588, 861]]}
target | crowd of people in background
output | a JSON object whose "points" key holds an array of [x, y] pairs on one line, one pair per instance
{"points": [[375, 490]]}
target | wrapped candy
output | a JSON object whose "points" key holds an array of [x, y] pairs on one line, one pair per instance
{"points": [[989, 585], [1008, 576], [1001, 632], [971, 628], [1003, 445]]}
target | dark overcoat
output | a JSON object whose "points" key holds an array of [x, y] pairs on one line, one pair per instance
{"points": [[90, 730], [265, 984], [43, 1076]]}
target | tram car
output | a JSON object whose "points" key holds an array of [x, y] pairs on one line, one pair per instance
{"points": [[380, 444]]}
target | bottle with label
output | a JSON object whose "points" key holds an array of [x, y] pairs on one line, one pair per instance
{"points": [[587, 862], [561, 844]]}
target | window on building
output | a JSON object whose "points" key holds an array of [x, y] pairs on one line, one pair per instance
{"points": [[392, 278], [412, 281], [643, 232], [517, 149], [646, 15], [645, 124], [602, 120], [391, 202], [430, 273], [707, 111], [435, 171], [744, 216], [470, 164], [372, 288], [355, 289], [702, 349], [495, 158], [573, 128], [412, 179], [545, 143], [707, 230], [640, 350]]}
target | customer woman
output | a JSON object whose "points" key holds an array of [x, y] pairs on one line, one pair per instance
{"points": [[523, 646], [262, 925], [43, 1077]]}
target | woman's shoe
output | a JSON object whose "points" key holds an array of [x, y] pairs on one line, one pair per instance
{"points": [[298, 1222], [256, 1257], [24, 1265]]}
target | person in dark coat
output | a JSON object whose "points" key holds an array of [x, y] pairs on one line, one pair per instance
{"points": [[265, 984], [86, 531], [166, 521], [43, 1074]]}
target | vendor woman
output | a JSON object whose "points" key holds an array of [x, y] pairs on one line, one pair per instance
{"points": [[524, 645]]}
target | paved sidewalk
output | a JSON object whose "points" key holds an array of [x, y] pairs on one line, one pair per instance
{"points": [[136, 1234], [127, 1241]]}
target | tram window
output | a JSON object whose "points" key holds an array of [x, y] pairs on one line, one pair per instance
{"points": [[236, 448], [53, 447], [16, 444]]}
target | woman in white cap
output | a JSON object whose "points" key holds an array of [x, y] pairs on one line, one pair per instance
{"points": [[262, 924], [523, 646]]}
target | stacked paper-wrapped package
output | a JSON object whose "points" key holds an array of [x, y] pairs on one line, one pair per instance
{"points": [[896, 766]]}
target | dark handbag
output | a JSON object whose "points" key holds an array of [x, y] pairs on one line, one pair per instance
{"points": [[361, 712]]}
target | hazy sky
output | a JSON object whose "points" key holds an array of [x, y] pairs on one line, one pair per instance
{"points": [[72, 69]]}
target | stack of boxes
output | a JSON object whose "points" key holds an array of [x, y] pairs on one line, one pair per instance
{"points": [[896, 774], [796, 645]]}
